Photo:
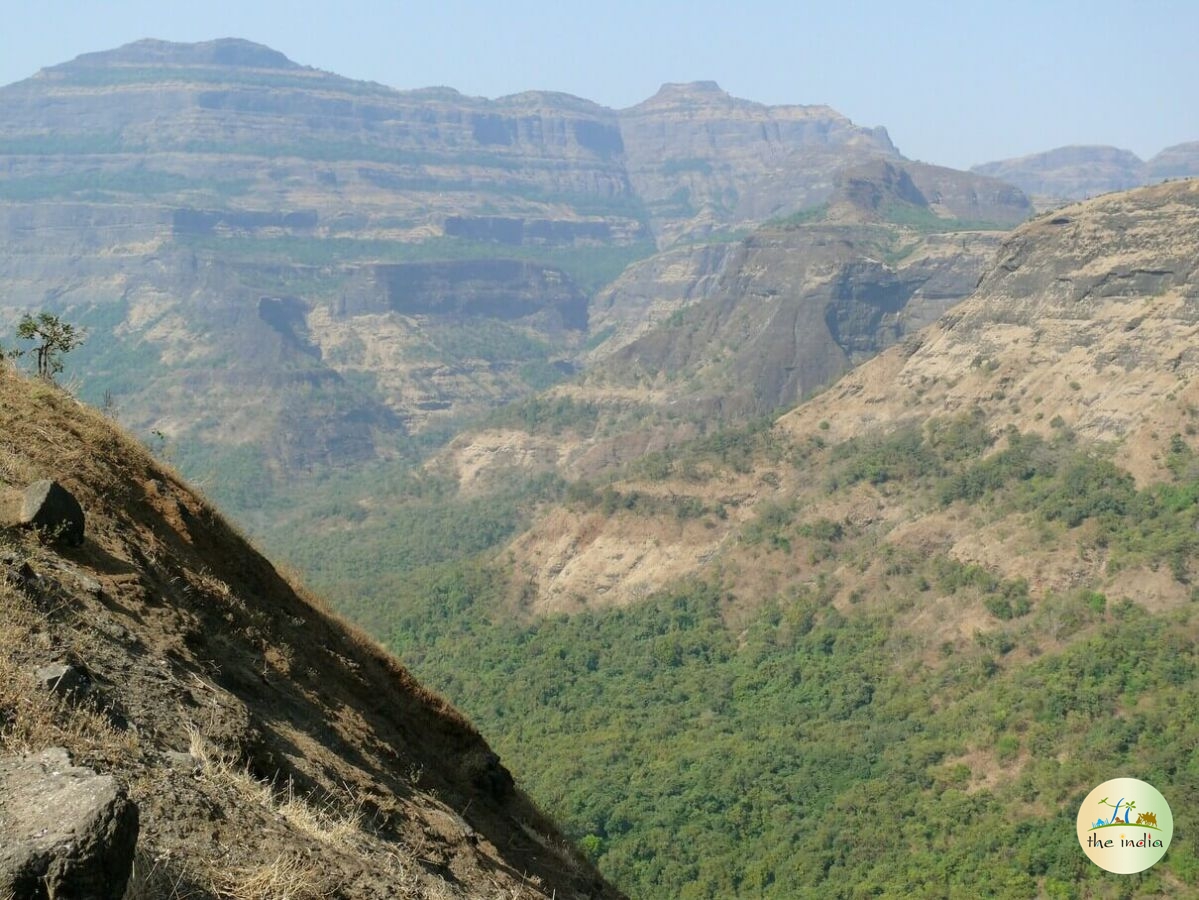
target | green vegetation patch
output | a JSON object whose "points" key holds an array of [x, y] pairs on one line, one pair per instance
{"points": [[805, 216], [691, 762], [589, 267], [95, 185], [237, 77]]}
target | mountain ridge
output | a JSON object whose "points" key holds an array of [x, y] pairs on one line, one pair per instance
{"points": [[169, 197], [1079, 171]]}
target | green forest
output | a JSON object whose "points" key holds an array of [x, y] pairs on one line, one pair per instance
{"points": [[809, 751]]}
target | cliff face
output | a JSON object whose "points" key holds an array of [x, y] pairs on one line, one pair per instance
{"points": [[237, 125], [256, 732], [1088, 310], [792, 309], [700, 158], [369, 265]]}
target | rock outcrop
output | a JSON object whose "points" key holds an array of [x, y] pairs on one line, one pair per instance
{"points": [[66, 833], [790, 310], [53, 510]]}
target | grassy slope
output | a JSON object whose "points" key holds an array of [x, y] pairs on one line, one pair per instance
{"points": [[304, 741]]}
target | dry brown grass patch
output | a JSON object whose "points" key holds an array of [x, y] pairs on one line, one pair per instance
{"points": [[287, 877], [32, 718]]}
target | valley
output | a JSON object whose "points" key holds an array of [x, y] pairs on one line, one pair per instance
{"points": [[792, 517]]}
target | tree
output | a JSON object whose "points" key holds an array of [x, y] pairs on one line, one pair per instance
{"points": [[53, 337]]}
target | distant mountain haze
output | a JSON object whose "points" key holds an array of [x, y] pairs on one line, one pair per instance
{"points": [[1074, 173], [377, 265]]}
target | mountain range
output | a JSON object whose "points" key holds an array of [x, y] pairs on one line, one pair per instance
{"points": [[749, 485], [1077, 172], [341, 271]]}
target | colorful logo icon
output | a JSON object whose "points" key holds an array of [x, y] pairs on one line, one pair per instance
{"points": [[1125, 825]]}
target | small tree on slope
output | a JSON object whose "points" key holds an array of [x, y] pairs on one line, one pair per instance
{"points": [[53, 338]]}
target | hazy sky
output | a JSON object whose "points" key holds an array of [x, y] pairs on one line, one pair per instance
{"points": [[955, 83]]}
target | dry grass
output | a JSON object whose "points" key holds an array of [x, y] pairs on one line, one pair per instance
{"points": [[156, 878], [322, 819], [287, 877], [31, 718], [189, 622]]}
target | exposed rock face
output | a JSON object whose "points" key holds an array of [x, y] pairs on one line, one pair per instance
{"points": [[699, 157], [916, 193], [65, 832], [50, 507], [791, 309], [286, 271], [494, 289], [1089, 314], [958, 195], [649, 291], [65, 679]]}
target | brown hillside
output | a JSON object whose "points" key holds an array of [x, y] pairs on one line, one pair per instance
{"points": [[1090, 314], [272, 750], [1086, 325]]}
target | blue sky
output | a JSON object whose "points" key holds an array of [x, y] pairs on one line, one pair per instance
{"points": [[955, 83]]}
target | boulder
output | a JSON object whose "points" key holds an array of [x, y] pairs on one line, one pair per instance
{"points": [[51, 508], [69, 681], [65, 832]]}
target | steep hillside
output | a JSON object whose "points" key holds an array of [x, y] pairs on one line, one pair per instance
{"points": [[1073, 173], [935, 604], [372, 267], [717, 336], [272, 750], [1084, 322]]}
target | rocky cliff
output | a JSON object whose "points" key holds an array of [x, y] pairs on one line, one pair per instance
{"points": [[372, 267]]}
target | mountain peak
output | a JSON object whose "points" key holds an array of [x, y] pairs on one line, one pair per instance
{"points": [[692, 87], [687, 93], [231, 52]]}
